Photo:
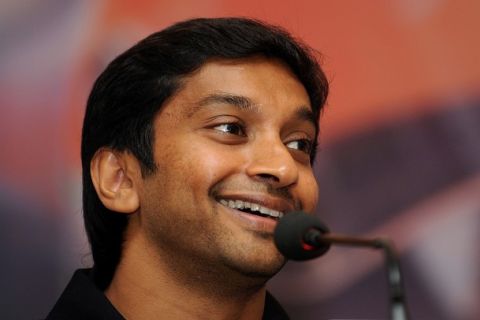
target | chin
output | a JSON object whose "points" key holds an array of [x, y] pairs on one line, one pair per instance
{"points": [[258, 268]]}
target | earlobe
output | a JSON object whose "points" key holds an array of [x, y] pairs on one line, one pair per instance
{"points": [[114, 181]]}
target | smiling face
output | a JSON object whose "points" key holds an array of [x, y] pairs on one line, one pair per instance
{"points": [[232, 149]]}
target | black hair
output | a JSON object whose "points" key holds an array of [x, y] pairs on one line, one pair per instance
{"points": [[128, 94]]}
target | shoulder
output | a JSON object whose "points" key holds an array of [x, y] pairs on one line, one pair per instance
{"points": [[273, 310], [81, 299]]}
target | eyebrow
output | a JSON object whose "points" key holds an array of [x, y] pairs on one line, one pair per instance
{"points": [[241, 102], [303, 113]]}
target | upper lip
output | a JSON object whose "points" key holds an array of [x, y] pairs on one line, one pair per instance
{"points": [[265, 200]]}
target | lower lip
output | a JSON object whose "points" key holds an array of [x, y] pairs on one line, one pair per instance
{"points": [[257, 223]]}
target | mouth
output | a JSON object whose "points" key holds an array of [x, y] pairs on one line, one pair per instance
{"points": [[252, 208]]}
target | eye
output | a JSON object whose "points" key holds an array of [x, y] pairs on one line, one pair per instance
{"points": [[231, 128], [303, 145]]}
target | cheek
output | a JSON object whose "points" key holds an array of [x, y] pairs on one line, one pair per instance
{"points": [[309, 191], [198, 164], [207, 170]]}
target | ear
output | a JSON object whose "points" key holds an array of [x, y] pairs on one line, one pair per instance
{"points": [[115, 178]]}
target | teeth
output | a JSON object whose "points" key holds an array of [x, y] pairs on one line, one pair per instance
{"points": [[239, 204]]}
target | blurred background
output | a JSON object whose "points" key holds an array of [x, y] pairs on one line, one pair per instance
{"points": [[400, 155]]}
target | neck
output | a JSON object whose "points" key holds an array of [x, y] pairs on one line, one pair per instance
{"points": [[148, 283]]}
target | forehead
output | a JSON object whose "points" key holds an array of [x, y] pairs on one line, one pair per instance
{"points": [[265, 82]]}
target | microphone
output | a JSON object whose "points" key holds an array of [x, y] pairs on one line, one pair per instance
{"points": [[297, 236], [300, 236]]}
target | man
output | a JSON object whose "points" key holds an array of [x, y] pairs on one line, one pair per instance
{"points": [[195, 142]]}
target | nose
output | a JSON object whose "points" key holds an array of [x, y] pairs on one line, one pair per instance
{"points": [[272, 162]]}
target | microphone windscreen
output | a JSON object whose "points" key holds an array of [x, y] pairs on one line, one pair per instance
{"points": [[290, 232]]}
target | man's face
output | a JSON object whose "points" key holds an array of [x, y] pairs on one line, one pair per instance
{"points": [[233, 152]]}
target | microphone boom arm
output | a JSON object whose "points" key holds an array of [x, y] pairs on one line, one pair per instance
{"points": [[397, 295]]}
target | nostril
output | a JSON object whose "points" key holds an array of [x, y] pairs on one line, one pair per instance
{"points": [[268, 177]]}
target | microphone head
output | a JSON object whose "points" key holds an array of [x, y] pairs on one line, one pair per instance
{"points": [[290, 232]]}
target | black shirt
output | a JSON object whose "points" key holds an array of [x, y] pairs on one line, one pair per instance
{"points": [[83, 300]]}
